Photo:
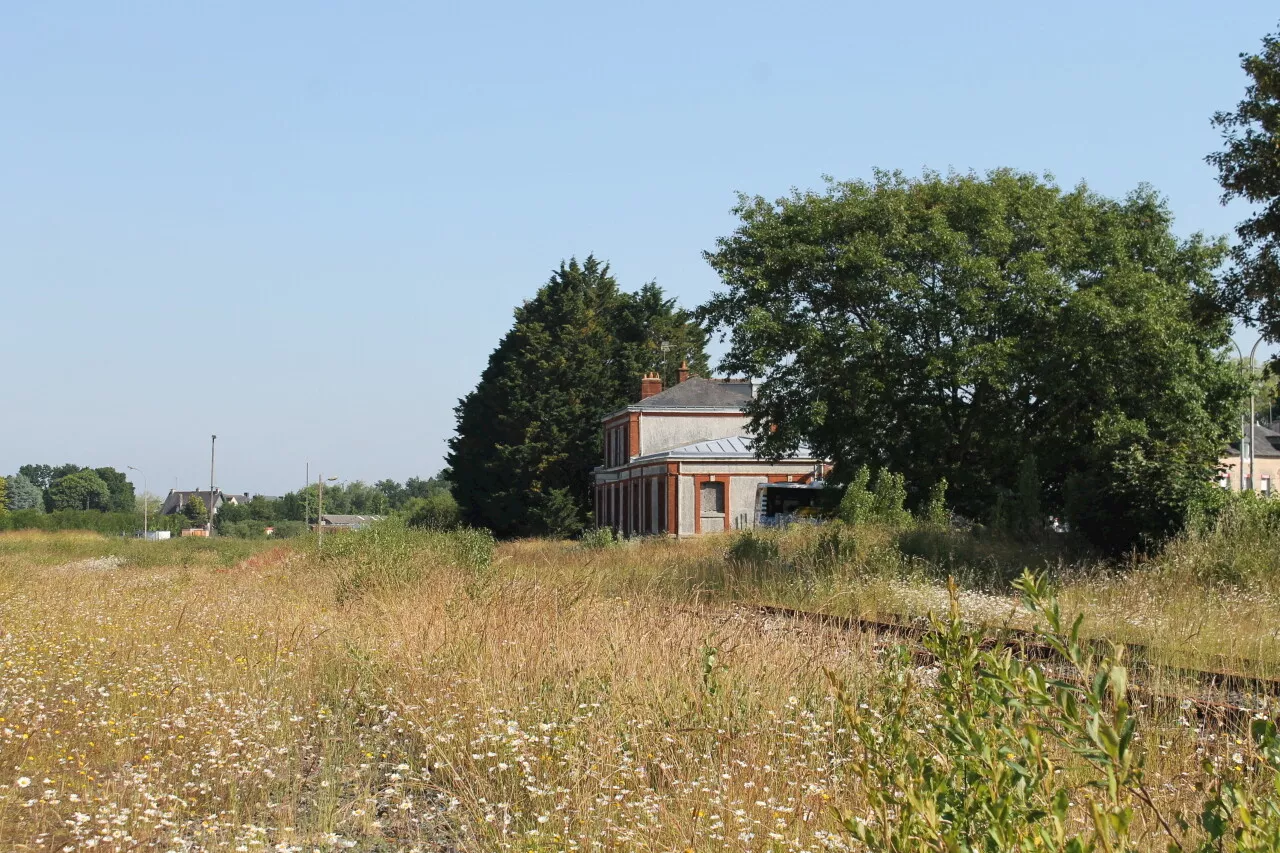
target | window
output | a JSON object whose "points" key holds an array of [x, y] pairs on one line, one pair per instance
{"points": [[713, 498], [1266, 485]]}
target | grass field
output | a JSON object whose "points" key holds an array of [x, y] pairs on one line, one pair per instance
{"points": [[413, 691]]}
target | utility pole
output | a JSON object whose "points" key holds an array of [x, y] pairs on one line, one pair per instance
{"points": [[212, 448], [320, 509], [144, 499], [1252, 415], [306, 499]]}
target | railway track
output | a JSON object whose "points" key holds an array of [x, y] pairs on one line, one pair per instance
{"points": [[1219, 697]]}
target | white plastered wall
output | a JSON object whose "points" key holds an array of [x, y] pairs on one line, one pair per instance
{"points": [[659, 431], [686, 506], [742, 501]]}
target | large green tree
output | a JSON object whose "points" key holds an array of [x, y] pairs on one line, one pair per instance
{"points": [[196, 511], [952, 326], [1249, 168], [529, 434], [81, 490], [40, 475], [122, 496], [23, 494]]}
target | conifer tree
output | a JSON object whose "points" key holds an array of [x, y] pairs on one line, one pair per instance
{"points": [[23, 494], [530, 433]]}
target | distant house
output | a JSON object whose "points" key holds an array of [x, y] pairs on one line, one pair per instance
{"points": [[679, 462], [337, 523], [177, 500], [1266, 463]]}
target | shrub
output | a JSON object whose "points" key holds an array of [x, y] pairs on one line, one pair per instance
{"points": [[437, 511], [889, 498], [855, 505], [109, 523], [997, 754], [755, 549], [832, 548], [986, 562], [1234, 540], [289, 529], [247, 529], [935, 507], [598, 539]]}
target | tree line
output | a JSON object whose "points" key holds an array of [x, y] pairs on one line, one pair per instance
{"points": [[954, 328], [425, 502], [56, 497], [49, 488]]}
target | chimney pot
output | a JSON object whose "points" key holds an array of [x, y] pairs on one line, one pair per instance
{"points": [[684, 371], [650, 384]]}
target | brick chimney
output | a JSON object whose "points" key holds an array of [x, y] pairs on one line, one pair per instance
{"points": [[684, 371], [650, 384]]}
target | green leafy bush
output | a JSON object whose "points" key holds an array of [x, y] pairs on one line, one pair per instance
{"points": [[935, 507], [1004, 755], [289, 529], [754, 548], [110, 523], [437, 511], [598, 539], [889, 497], [856, 505], [833, 547], [247, 529], [1234, 540]]}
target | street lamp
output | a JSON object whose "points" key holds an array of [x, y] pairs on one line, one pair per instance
{"points": [[1252, 413], [320, 509], [144, 499]]}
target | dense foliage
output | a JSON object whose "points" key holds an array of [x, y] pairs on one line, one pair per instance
{"points": [[1249, 169], [111, 523], [22, 493], [529, 434], [70, 486], [81, 490], [951, 327], [999, 752]]}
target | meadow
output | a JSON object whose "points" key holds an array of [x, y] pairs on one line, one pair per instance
{"points": [[405, 690]]}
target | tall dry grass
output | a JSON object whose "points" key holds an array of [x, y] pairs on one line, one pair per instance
{"points": [[413, 691]]}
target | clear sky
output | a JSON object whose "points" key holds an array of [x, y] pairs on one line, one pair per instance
{"points": [[303, 226]]}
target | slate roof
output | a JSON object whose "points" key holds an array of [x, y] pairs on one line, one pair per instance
{"points": [[1264, 441], [699, 393], [734, 447], [179, 498]]}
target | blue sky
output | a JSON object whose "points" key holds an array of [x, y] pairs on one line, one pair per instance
{"points": [[304, 226]]}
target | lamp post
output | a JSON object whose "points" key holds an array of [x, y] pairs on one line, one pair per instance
{"points": [[320, 481], [144, 499], [212, 447], [1252, 414]]}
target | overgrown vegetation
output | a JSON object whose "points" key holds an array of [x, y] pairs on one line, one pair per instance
{"points": [[974, 322], [407, 688]]}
